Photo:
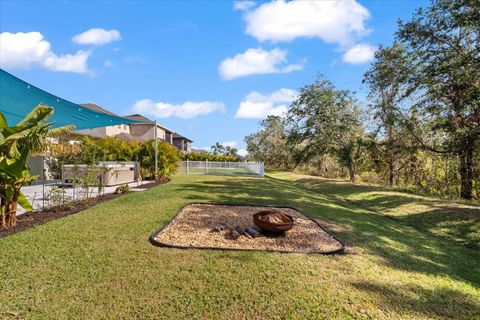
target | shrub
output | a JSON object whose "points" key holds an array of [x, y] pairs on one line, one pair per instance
{"points": [[210, 157], [124, 188], [92, 150]]}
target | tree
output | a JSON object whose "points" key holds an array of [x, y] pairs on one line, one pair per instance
{"points": [[221, 150], [386, 79], [323, 120], [167, 156], [443, 43], [217, 149], [230, 151], [269, 144], [16, 144]]}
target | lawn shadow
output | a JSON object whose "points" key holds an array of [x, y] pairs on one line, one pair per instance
{"points": [[441, 218], [400, 246], [436, 308]]}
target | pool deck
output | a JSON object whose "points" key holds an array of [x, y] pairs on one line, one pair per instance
{"points": [[38, 194]]}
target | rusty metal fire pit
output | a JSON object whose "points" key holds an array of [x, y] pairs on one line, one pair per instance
{"points": [[273, 221]]}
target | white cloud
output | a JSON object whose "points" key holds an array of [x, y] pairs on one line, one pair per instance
{"points": [[23, 50], [231, 144], [258, 106], [185, 110], [256, 61], [332, 21], [242, 152], [97, 36], [360, 53], [243, 5]]}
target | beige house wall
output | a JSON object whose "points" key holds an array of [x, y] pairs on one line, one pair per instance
{"points": [[95, 132], [106, 131], [146, 132], [114, 130], [140, 131]]}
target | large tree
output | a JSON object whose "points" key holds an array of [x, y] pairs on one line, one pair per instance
{"points": [[269, 144], [387, 79], [324, 120], [443, 44]]}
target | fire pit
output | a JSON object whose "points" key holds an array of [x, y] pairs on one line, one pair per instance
{"points": [[212, 226], [273, 221]]}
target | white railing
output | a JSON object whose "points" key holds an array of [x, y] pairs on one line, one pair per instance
{"points": [[222, 168]]}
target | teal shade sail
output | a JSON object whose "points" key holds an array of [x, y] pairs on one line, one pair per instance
{"points": [[18, 98]]}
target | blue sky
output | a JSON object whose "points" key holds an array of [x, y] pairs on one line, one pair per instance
{"points": [[209, 70]]}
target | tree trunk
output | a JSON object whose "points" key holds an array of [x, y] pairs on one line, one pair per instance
{"points": [[4, 220], [351, 173], [466, 172], [391, 173], [11, 217], [3, 211]]}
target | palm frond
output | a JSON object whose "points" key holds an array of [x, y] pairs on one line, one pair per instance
{"points": [[40, 113], [61, 131]]}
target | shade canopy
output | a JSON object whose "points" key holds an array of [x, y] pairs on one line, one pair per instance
{"points": [[18, 98]]}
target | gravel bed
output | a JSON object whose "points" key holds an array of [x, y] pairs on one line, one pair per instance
{"points": [[192, 228]]}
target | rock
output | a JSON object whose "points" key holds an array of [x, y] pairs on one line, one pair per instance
{"points": [[252, 232], [218, 228], [234, 235], [240, 229]]}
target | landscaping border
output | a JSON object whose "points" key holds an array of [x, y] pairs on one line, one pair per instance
{"points": [[154, 242], [33, 219]]}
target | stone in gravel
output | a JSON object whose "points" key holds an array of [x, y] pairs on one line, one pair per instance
{"points": [[240, 229], [252, 232], [218, 228], [234, 235]]}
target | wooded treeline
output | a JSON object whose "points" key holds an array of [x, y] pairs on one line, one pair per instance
{"points": [[420, 127]]}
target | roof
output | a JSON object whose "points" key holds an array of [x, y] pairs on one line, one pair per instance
{"points": [[97, 108], [202, 151], [178, 136], [140, 118], [18, 98]]}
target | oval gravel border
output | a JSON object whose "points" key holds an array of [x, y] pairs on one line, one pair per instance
{"points": [[154, 242]]}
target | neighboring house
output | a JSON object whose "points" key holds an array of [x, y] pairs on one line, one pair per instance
{"points": [[145, 131], [182, 143], [104, 131], [142, 131]]}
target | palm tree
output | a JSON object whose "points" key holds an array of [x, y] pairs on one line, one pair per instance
{"points": [[16, 144]]}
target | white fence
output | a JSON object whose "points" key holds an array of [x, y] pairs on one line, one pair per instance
{"points": [[222, 168]]}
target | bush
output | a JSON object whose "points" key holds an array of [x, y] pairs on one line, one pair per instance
{"points": [[90, 151], [124, 188], [209, 157], [168, 157]]}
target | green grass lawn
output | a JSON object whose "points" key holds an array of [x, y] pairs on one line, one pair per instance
{"points": [[99, 264], [454, 221], [223, 171]]}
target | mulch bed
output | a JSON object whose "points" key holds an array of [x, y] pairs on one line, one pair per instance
{"points": [[196, 226], [31, 219], [153, 183]]}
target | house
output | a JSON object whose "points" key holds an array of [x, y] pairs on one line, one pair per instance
{"points": [[143, 130], [102, 132], [182, 143]]}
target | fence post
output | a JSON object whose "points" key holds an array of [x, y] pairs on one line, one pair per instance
{"points": [[187, 166], [206, 166]]}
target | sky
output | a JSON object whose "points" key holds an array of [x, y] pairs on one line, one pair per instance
{"points": [[209, 70]]}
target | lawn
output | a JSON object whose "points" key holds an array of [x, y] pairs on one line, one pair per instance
{"points": [[99, 263]]}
